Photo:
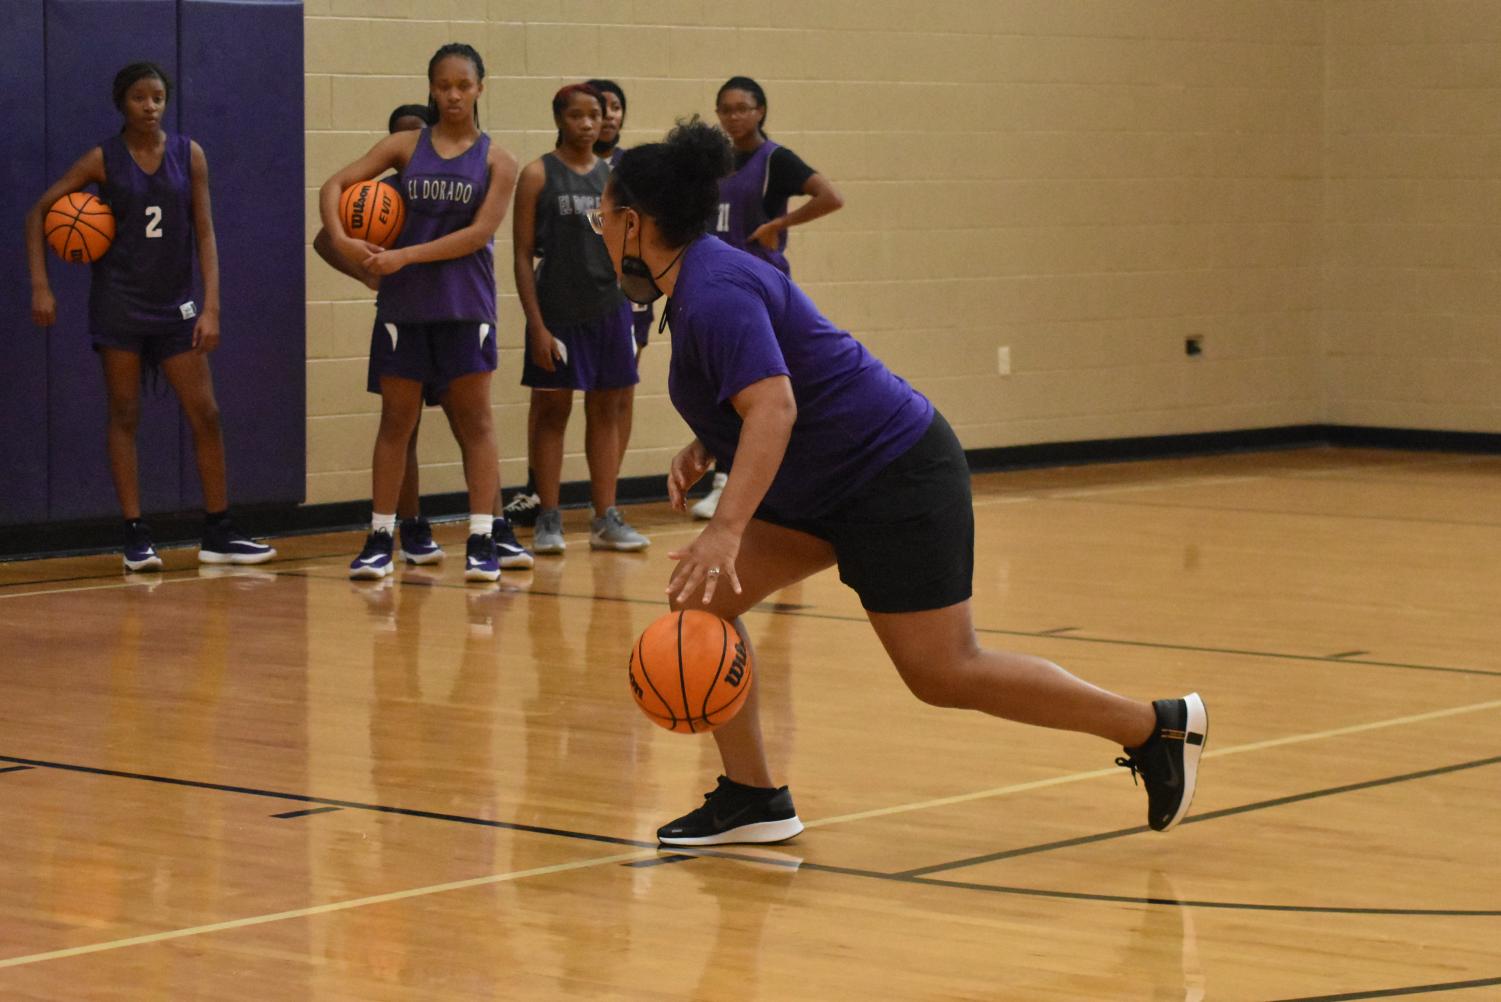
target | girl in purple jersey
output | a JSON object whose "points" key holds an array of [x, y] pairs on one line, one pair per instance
{"points": [[435, 313], [141, 306], [752, 212], [839, 463]]}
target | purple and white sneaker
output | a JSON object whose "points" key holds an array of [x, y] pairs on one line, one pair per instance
{"points": [[513, 556], [417, 546], [480, 560], [374, 561]]}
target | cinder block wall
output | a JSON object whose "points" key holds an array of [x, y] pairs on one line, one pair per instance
{"points": [[1084, 182], [1412, 234]]}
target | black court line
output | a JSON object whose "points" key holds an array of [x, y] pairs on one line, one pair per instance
{"points": [[16, 768], [251, 791], [1127, 899], [1055, 631], [310, 810], [1249, 906], [671, 857], [1043, 634], [1386, 993], [1346, 654], [793, 864], [1225, 812], [1149, 644]]}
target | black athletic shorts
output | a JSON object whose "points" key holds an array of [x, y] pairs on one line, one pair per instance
{"points": [[906, 541]]}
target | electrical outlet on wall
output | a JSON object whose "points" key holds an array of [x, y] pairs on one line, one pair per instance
{"points": [[1003, 360]]}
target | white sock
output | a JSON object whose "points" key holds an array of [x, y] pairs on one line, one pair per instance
{"points": [[480, 525], [383, 523]]}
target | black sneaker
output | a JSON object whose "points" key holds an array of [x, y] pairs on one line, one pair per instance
{"points": [[1169, 761], [733, 812], [224, 544], [140, 554], [523, 508]]}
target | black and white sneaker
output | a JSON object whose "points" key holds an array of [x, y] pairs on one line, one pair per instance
{"points": [[140, 554], [523, 508], [1169, 761], [224, 544], [733, 812]]}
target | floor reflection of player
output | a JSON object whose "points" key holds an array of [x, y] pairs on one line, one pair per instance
{"points": [[746, 895], [432, 740], [587, 756]]}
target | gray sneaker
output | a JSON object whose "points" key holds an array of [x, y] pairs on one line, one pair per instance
{"points": [[547, 537], [612, 532]]}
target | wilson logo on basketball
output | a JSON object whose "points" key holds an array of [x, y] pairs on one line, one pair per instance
{"points": [[737, 667], [636, 689], [357, 210]]}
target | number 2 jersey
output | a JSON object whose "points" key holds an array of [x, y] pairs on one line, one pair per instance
{"points": [[144, 283]]}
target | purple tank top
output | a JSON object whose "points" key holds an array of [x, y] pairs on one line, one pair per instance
{"points": [[442, 196], [145, 283], [741, 210]]}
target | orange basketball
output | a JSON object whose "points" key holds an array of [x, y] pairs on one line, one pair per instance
{"points": [[79, 227], [690, 672], [373, 211]]}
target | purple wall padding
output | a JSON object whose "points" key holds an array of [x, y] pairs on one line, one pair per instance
{"points": [[87, 41], [241, 73], [23, 402]]}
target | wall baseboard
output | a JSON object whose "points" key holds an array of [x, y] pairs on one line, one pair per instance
{"points": [[21, 542]]}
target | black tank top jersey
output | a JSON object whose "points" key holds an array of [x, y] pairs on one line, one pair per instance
{"points": [[575, 279]]}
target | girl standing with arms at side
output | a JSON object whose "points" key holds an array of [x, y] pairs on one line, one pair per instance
{"points": [[435, 312], [141, 305], [752, 213], [578, 325]]}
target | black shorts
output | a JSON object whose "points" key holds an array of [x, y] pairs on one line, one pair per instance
{"points": [[906, 541]]}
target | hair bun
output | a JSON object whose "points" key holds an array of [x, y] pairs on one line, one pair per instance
{"points": [[699, 151]]}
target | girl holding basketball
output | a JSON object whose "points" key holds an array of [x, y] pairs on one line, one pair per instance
{"points": [[435, 312], [834, 454], [141, 306], [752, 211], [578, 325]]}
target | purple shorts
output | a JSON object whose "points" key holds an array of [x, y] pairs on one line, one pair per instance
{"points": [[154, 348], [601, 356], [433, 354]]}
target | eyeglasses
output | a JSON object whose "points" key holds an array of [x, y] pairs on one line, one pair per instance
{"points": [[596, 218]]}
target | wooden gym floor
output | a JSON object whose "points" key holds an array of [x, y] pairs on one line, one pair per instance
{"points": [[273, 783]]}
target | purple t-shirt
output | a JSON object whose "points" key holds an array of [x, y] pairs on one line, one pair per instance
{"points": [[737, 320]]}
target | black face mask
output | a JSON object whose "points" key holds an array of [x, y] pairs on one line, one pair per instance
{"points": [[636, 280]]}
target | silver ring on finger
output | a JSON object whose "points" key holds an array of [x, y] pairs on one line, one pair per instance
{"points": [[713, 572]]}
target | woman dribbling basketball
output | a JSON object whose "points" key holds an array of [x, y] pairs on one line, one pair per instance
{"points": [[835, 458]]}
